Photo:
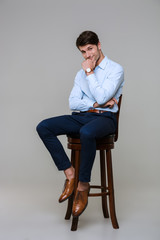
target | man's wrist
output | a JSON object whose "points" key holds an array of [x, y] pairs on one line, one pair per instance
{"points": [[89, 71]]}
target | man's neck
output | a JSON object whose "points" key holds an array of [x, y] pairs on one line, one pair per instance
{"points": [[100, 59]]}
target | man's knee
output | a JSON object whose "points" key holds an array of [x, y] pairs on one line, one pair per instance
{"points": [[85, 133], [41, 128]]}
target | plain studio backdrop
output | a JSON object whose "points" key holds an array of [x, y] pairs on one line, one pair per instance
{"points": [[38, 64]]}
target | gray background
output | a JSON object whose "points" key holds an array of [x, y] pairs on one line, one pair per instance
{"points": [[39, 61]]}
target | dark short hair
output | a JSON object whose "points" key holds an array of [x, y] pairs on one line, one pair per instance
{"points": [[87, 37]]}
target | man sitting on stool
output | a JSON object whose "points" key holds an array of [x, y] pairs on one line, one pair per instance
{"points": [[93, 100]]}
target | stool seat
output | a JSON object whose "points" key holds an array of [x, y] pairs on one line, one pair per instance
{"points": [[100, 142]]}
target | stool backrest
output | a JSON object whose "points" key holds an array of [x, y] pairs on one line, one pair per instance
{"points": [[118, 113]]}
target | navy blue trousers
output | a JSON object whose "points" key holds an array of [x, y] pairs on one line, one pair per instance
{"points": [[88, 125]]}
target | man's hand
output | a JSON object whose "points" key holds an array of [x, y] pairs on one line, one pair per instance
{"points": [[109, 104], [88, 64]]}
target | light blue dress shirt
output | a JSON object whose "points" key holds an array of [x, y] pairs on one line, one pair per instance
{"points": [[106, 82]]}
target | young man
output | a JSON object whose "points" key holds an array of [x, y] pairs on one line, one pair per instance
{"points": [[93, 99]]}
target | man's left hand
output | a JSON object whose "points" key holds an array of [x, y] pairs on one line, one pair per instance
{"points": [[88, 64]]}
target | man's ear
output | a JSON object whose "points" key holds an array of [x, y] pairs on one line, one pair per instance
{"points": [[99, 45]]}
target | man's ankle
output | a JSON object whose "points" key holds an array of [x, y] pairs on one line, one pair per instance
{"points": [[69, 173], [82, 186]]}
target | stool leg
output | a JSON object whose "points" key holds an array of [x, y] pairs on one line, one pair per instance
{"points": [[70, 200], [111, 190], [69, 208], [77, 164], [103, 183], [74, 223]]}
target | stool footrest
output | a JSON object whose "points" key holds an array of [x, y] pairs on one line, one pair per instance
{"points": [[97, 186], [98, 194], [103, 193]]}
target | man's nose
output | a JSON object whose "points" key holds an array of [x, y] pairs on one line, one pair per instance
{"points": [[87, 55]]}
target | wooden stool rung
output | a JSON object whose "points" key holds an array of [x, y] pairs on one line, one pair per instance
{"points": [[103, 193], [96, 186], [98, 194]]}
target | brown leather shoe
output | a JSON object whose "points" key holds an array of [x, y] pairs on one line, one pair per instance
{"points": [[68, 190], [80, 202]]}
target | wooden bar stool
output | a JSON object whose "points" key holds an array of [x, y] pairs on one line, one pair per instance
{"points": [[104, 145]]}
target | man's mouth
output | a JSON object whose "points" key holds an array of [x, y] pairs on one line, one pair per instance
{"points": [[92, 58]]}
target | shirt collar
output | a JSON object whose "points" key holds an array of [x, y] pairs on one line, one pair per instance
{"points": [[103, 63]]}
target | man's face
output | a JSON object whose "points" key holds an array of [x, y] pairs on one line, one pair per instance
{"points": [[91, 51]]}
